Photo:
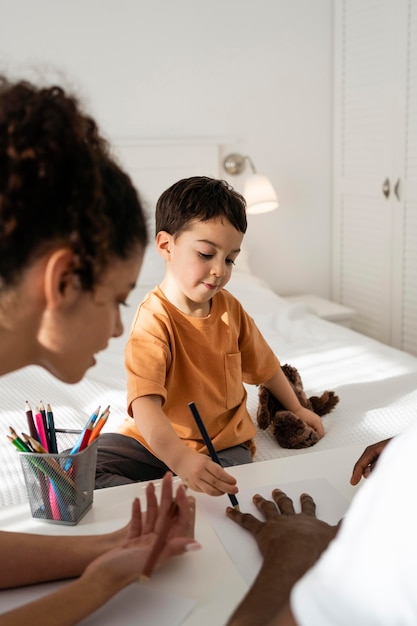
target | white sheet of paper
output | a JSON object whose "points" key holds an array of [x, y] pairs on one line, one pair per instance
{"points": [[241, 547], [134, 605]]}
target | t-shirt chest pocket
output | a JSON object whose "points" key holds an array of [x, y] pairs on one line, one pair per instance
{"points": [[233, 376]]}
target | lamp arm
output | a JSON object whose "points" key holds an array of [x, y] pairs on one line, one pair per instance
{"points": [[251, 164]]}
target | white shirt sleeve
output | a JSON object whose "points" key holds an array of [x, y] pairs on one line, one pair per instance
{"points": [[368, 575]]}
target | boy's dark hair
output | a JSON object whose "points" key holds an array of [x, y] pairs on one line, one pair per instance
{"points": [[199, 198], [60, 186]]}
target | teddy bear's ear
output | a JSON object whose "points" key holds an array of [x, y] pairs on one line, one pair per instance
{"points": [[325, 403]]}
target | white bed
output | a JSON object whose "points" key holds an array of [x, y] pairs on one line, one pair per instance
{"points": [[377, 384]]}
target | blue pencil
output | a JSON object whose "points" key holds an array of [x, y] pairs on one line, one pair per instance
{"points": [[91, 420], [76, 447], [210, 446]]}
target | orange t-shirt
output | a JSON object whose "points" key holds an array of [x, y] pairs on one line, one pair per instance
{"points": [[204, 360]]}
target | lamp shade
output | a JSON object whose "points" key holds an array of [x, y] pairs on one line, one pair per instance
{"points": [[259, 194]]}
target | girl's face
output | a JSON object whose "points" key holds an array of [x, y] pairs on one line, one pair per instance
{"points": [[70, 338], [200, 263]]}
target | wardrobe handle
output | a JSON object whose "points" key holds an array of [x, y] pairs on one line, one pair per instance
{"points": [[397, 189], [386, 188]]}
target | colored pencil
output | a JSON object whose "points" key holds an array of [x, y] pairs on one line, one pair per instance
{"points": [[91, 420], [86, 437], [159, 544], [40, 427], [31, 423], [24, 446], [42, 411], [99, 425], [32, 443], [38, 447], [53, 447], [48, 465], [18, 443], [210, 446]]}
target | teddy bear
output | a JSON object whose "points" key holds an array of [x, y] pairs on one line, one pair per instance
{"points": [[289, 430]]}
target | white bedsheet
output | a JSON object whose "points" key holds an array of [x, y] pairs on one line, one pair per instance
{"points": [[377, 384]]}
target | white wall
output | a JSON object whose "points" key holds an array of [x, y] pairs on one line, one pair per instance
{"points": [[256, 73]]}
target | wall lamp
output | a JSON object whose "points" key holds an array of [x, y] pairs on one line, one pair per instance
{"points": [[258, 191]]}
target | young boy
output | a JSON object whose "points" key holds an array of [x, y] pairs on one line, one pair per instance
{"points": [[192, 341]]}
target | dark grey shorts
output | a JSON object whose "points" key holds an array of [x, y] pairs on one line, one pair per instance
{"points": [[122, 460]]}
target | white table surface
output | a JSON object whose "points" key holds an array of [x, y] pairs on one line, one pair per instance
{"points": [[208, 575]]}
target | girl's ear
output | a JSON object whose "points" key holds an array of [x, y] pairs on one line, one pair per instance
{"points": [[60, 282], [163, 242]]}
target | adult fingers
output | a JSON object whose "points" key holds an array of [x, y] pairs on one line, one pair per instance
{"points": [[165, 500], [362, 465], [177, 546], [283, 502], [266, 507], [135, 526], [151, 509], [308, 506], [166, 491], [245, 520], [366, 462]]}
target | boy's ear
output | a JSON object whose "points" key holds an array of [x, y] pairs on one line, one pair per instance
{"points": [[163, 244], [60, 283]]}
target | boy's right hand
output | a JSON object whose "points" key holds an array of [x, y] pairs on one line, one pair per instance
{"points": [[200, 473]]}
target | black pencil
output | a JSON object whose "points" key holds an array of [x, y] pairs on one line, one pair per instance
{"points": [[210, 447]]}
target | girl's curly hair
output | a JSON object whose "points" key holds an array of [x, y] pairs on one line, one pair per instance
{"points": [[60, 185]]}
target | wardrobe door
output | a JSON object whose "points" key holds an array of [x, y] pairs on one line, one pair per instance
{"points": [[405, 190], [367, 84]]}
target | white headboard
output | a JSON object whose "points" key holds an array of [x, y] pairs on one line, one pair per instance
{"points": [[154, 165]]}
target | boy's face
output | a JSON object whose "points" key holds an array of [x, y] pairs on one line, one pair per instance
{"points": [[200, 262]]}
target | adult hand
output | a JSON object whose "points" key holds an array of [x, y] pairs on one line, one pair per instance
{"points": [[152, 520], [290, 544], [283, 529], [141, 522], [124, 563], [108, 562], [367, 461]]}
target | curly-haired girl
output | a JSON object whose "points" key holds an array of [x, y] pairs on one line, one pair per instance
{"points": [[72, 239]]}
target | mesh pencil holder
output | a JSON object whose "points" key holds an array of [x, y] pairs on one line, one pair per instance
{"points": [[60, 486]]}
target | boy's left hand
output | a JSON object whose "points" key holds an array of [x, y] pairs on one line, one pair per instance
{"points": [[311, 419]]}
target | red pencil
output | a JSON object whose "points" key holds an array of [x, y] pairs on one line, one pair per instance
{"points": [[86, 437]]}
